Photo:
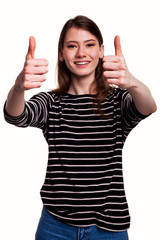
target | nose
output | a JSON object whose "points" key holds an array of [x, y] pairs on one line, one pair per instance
{"points": [[80, 52]]}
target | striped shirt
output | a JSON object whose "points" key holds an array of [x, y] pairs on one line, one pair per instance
{"points": [[84, 179]]}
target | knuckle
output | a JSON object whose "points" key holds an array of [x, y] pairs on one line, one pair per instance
{"points": [[25, 85], [45, 69], [104, 58], [28, 77], [105, 74], [121, 81], [104, 65], [121, 58], [122, 74], [25, 69], [44, 77], [46, 62], [123, 66], [108, 74], [28, 62]]}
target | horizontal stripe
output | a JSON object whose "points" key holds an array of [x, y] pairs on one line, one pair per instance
{"points": [[85, 159], [86, 186], [81, 205], [90, 166], [84, 179], [86, 219]]}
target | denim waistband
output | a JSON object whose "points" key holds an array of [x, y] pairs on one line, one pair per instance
{"points": [[51, 228]]}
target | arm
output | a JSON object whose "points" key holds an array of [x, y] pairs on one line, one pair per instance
{"points": [[30, 77], [142, 97], [117, 73]]}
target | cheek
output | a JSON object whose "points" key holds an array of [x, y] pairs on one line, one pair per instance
{"points": [[96, 55], [68, 57]]}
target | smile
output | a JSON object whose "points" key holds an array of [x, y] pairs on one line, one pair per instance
{"points": [[81, 63]]}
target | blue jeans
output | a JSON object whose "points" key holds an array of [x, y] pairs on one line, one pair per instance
{"points": [[50, 228]]}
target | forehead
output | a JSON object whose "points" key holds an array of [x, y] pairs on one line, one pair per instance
{"points": [[78, 34]]}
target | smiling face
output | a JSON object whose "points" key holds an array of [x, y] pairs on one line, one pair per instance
{"points": [[81, 53]]}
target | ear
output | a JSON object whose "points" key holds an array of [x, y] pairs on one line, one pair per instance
{"points": [[61, 58], [101, 53]]}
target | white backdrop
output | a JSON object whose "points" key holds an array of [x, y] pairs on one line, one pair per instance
{"points": [[23, 154]]}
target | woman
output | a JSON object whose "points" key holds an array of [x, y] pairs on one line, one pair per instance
{"points": [[85, 122]]}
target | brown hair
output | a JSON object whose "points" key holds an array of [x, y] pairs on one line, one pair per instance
{"points": [[64, 77]]}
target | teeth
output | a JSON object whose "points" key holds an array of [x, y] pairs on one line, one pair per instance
{"points": [[81, 63]]}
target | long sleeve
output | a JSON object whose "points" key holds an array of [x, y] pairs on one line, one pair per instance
{"points": [[35, 113], [130, 115]]}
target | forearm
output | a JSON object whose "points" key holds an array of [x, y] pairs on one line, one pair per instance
{"points": [[15, 102], [142, 97]]}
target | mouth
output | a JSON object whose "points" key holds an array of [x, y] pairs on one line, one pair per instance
{"points": [[82, 63]]}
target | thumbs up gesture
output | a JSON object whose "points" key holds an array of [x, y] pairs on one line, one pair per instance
{"points": [[115, 68], [33, 72]]}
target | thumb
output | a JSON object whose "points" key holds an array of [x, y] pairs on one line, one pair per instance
{"points": [[31, 48], [117, 45]]}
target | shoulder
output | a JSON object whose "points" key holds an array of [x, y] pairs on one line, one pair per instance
{"points": [[48, 96]]}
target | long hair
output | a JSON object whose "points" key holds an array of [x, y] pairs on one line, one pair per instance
{"points": [[64, 76]]}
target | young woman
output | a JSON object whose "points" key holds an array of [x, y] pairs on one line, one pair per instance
{"points": [[85, 122]]}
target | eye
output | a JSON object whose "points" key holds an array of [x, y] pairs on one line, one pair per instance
{"points": [[90, 44], [71, 46]]}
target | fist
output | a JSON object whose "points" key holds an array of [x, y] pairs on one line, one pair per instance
{"points": [[33, 72], [115, 68]]}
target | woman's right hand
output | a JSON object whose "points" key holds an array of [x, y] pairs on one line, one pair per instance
{"points": [[33, 72]]}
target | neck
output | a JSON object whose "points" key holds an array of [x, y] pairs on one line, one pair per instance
{"points": [[81, 86]]}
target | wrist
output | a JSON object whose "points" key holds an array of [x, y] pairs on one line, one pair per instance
{"points": [[18, 86], [17, 89], [134, 83]]}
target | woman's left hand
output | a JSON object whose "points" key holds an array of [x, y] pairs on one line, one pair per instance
{"points": [[115, 68]]}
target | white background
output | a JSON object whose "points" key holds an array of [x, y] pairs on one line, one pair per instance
{"points": [[23, 152]]}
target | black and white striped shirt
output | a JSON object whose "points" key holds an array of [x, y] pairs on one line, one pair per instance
{"points": [[84, 180]]}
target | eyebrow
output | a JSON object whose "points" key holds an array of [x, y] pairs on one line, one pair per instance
{"points": [[89, 40]]}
